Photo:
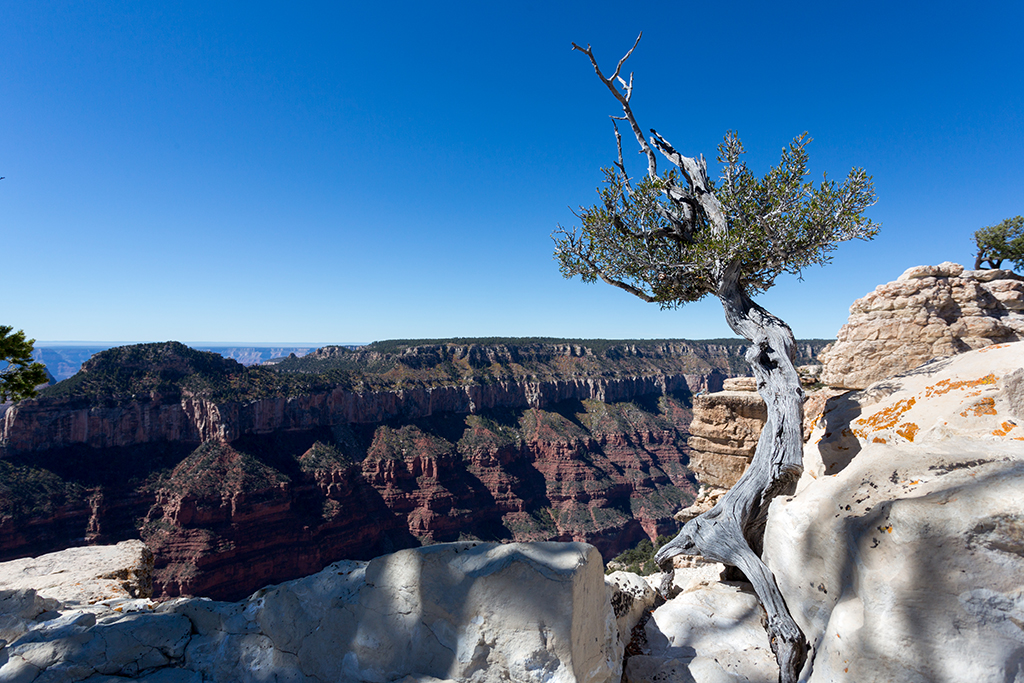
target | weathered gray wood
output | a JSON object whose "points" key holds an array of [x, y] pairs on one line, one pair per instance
{"points": [[669, 239], [732, 531]]}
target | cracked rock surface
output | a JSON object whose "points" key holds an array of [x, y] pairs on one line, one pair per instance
{"points": [[901, 555], [461, 611], [928, 312]]}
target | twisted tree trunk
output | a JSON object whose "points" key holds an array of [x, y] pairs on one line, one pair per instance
{"points": [[733, 530]]}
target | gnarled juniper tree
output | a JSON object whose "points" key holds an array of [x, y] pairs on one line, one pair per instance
{"points": [[1000, 242], [678, 236]]}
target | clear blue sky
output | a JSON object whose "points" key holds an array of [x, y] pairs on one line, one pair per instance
{"points": [[292, 172]]}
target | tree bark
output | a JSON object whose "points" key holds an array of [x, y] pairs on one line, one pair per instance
{"points": [[732, 531]]}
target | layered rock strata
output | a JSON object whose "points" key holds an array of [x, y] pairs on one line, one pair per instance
{"points": [[459, 612], [241, 476], [47, 424], [928, 312], [723, 436], [227, 517]]}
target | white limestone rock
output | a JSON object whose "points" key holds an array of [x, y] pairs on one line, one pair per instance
{"points": [[467, 612], [709, 635], [901, 555], [86, 575]]}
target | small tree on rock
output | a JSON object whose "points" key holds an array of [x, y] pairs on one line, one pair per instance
{"points": [[20, 376], [677, 237], [1001, 242]]}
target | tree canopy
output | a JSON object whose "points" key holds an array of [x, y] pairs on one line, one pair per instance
{"points": [[21, 375], [676, 237], [669, 238], [1003, 241]]}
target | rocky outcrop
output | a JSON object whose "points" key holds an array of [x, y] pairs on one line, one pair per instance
{"points": [[459, 612], [928, 312], [900, 554], [83, 576], [724, 432], [723, 436]]}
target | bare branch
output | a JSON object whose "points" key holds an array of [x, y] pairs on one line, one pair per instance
{"points": [[618, 67], [623, 98], [620, 164]]}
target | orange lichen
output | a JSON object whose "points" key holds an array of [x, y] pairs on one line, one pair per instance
{"points": [[986, 406], [887, 417], [946, 385], [908, 431], [994, 346], [878, 439], [1004, 429]]}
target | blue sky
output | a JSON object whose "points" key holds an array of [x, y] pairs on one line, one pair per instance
{"points": [[300, 173]]}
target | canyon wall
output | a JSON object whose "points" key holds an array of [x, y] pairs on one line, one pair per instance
{"points": [[424, 444], [62, 422]]}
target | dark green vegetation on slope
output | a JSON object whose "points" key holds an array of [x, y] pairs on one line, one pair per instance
{"points": [[171, 369]]}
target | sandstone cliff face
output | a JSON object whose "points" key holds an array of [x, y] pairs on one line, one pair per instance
{"points": [[926, 313], [227, 517], [57, 423]]}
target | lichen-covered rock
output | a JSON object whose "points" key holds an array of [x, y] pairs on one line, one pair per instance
{"points": [[631, 597], [926, 313], [901, 554]]}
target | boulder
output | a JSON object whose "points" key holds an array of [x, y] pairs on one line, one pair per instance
{"points": [[928, 312], [461, 611], [631, 597], [86, 575], [709, 635], [901, 554]]}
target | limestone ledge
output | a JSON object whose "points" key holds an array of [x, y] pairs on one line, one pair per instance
{"points": [[461, 611]]}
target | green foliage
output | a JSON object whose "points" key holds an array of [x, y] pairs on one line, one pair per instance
{"points": [[1003, 241], [654, 240], [169, 369], [783, 223], [20, 376], [324, 457], [482, 433], [215, 469], [640, 560], [396, 444], [28, 492]]}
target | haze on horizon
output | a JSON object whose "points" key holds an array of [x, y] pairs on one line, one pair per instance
{"points": [[247, 171]]}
